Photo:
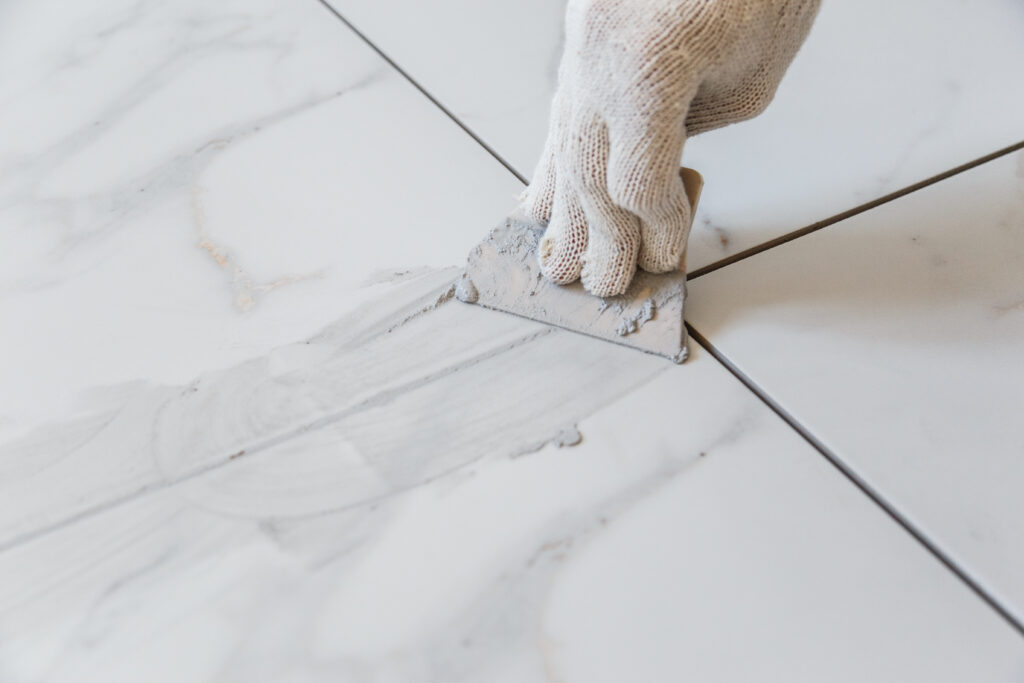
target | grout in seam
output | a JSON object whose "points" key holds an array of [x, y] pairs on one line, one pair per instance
{"points": [[729, 260], [832, 220], [865, 488], [831, 457], [490, 150], [264, 445], [857, 481]]}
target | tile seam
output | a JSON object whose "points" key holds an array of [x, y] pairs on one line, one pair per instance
{"points": [[860, 483], [423, 91], [729, 260], [850, 213]]}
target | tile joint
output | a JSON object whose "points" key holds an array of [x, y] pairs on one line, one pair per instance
{"points": [[831, 457], [839, 217], [490, 150], [860, 483]]}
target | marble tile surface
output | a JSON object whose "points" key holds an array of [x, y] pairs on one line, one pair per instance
{"points": [[690, 535], [882, 95], [896, 338], [246, 433], [186, 185]]}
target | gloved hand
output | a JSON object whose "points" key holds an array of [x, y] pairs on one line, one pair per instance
{"points": [[637, 77]]}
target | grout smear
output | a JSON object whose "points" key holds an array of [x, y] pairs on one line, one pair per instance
{"points": [[412, 386]]}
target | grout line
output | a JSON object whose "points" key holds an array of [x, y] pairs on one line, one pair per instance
{"points": [[834, 460], [860, 483], [425, 93], [265, 444], [729, 260], [814, 227]]}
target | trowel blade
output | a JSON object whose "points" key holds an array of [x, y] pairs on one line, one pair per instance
{"points": [[502, 273]]}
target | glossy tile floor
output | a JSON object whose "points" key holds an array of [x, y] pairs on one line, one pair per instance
{"points": [[246, 435]]}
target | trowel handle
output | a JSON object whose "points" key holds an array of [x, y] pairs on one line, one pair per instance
{"points": [[693, 182]]}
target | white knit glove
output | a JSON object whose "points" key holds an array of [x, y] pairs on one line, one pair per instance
{"points": [[637, 77]]}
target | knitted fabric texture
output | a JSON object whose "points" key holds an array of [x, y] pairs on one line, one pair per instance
{"points": [[636, 78]]}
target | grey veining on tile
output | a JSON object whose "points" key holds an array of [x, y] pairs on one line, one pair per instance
{"points": [[191, 185]]}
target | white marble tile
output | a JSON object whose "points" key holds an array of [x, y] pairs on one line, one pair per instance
{"points": [[186, 185], [896, 338], [690, 536], [882, 95], [245, 433]]}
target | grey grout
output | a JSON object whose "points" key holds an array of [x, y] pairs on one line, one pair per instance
{"points": [[729, 260], [805, 433], [266, 444], [858, 481], [832, 220], [490, 150]]}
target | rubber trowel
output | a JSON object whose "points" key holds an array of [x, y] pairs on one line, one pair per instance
{"points": [[502, 273]]}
